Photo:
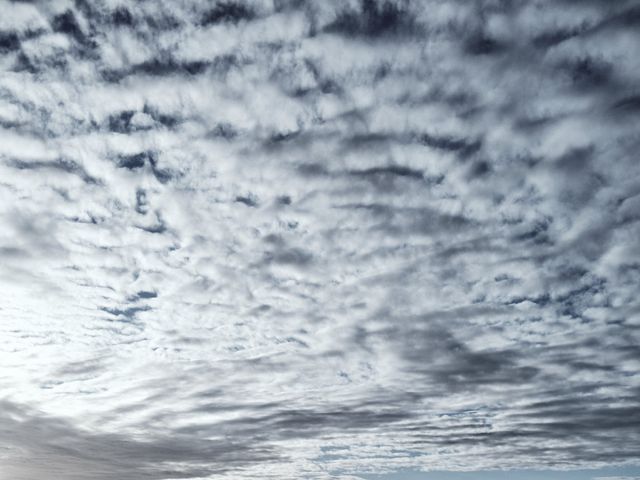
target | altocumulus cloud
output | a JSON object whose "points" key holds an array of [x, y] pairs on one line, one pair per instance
{"points": [[311, 239]]}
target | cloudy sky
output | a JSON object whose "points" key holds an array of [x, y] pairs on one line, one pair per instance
{"points": [[289, 239]]}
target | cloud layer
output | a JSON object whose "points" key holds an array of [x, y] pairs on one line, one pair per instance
{"points": [[285, 239]]}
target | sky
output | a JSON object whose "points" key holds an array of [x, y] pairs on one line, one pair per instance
{"points": [[349, 240]]}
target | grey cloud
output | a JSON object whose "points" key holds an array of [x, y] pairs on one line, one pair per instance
{"points": [[228, 12], [374, 19], [62, 165], [54, 446]]}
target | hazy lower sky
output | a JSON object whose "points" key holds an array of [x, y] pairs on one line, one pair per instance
{"points": [[624, 473], [322, 239]]}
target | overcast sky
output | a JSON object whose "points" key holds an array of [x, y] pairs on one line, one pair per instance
{"points": [[327, 239]]}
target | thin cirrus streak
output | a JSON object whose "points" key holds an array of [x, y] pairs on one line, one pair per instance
{"points": [[318, 239]]}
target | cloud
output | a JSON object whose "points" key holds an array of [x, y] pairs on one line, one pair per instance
{"points": [[318, 239], [42, 445]]}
